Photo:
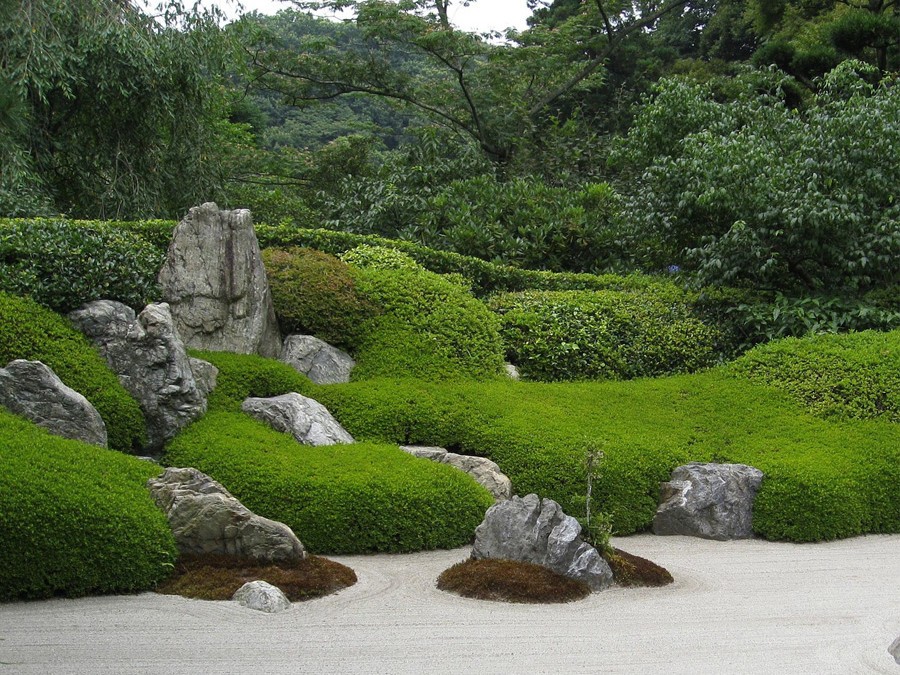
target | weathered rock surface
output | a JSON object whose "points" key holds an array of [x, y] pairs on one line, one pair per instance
{"points": [[262, 596], [206, 518], [894, 650], [712, 501], [216, 284], [317, 359], [511, 371], [147, 354], [484, 471], [31, 389], [306, 420], [533, 530], [205, 375]]}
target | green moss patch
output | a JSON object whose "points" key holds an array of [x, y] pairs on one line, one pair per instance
{"points": [[632, 570], [77, 519], [510, 581]]}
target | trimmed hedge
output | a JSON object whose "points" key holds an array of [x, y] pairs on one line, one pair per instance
{"points": [[824, 479], [77, 519], [575, 335], [338, 499], [855, 376], [29, 331], [64, 264]]}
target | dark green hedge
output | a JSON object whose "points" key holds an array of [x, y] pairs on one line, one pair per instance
{"points": [[577, 335], [849, 376], [77, 519], [29, 331]]}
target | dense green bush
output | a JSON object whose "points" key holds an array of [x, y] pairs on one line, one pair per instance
{"points": [[29, 331], [847, 376], [64, 264], [431, 324], [825, 478], [77, 519], [379, 257], [573, 335], [314, 293]]}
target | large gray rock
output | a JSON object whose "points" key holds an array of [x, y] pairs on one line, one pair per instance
{"points": [[316, 359], [894, 650], [147, 354], [206, 518], [205, 375], [533, 530], [712, 501], [484, 471], [216, 284], [32, 390], [262, 596], [306, 420]]}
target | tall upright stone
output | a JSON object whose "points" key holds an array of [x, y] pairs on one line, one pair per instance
{"points": [[216, 285]]}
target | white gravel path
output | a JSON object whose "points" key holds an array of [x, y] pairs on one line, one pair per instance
{"points": [[735, 607]]}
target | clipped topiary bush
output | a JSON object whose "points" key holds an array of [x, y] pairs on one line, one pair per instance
{"points": [[29, 331], [64, 264], [432, 327], [847, 376], [573, 335], [77, 519], [314, 293]]}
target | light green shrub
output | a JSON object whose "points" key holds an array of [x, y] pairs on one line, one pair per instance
{"points": [[379, 257], [29, 331], [77, 519]]}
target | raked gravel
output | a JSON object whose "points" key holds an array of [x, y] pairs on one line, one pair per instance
{"points": [[735, 607]]}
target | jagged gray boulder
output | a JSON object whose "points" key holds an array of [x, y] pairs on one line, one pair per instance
{"points": [[306, 420], [262, 596], [206, 518], [147, 354], [894, 650], [31, 389], [534, 530], [216, 284], [484, 471], [318, 360], [712, 501]]}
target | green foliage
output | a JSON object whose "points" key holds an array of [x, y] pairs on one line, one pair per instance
{"points": [[432, 325], [825, 478], [574, 335], [64, 264], [29, 331], [379, 257], [315, 293], [750, 192], [854, 376], [77, 519]]}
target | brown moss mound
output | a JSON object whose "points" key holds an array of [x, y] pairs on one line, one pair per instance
{"points": [[217, 577], [510, 581], [632, 570]]}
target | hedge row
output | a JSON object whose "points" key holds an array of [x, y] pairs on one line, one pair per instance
{"points": [[29, 331], [77, 519]]}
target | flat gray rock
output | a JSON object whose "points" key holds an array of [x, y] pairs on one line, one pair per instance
{"points": [[216, 284], [308, 421], [32, 390], [262, 596], [537, 531], [712, 501], [318, 360], [205, 518], [485, 472]]}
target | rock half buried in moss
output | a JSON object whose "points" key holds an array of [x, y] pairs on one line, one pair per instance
{"points": [[308, 421]]}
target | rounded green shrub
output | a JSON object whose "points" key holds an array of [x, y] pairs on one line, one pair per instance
{"points": [[856, 375], [314, 293], [431, 327], [29, 331], [77, 519], [379, 257], [63, 264], [575, 335]]}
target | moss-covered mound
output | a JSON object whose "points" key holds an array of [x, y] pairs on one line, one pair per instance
{"points": [[76, 519], [824, 479], [338, 499], [855, 376], [218, 577], [510, 581], [632, 570], [29, 331]]}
